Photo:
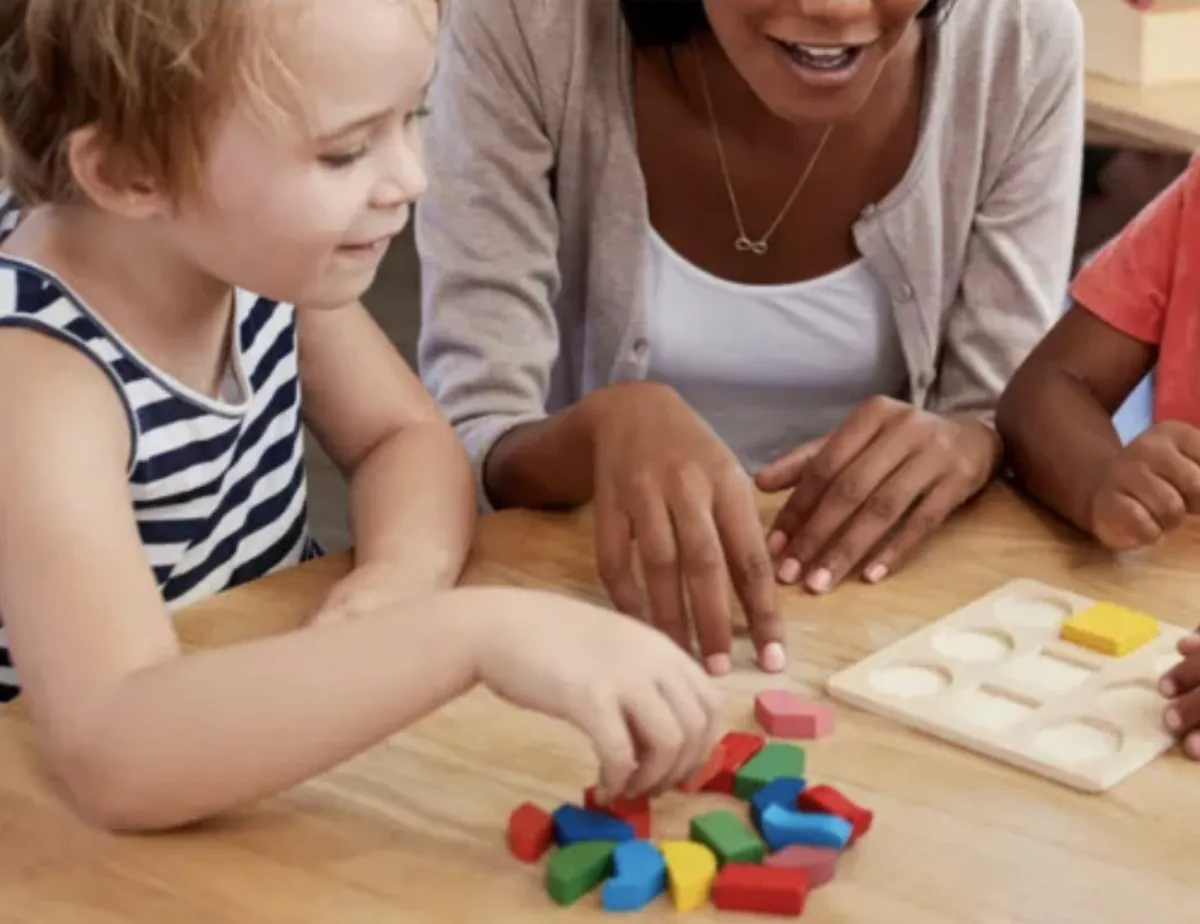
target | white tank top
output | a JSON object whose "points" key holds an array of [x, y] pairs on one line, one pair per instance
{"points": [[770, 366]]}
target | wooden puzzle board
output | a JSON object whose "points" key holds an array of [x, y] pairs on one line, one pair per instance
{"points": [[995, 677]]}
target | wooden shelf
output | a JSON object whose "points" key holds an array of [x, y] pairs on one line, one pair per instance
{"points": [[1155, 46]]}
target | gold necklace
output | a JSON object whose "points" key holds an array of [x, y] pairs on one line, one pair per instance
{"points": [[744, 242]]}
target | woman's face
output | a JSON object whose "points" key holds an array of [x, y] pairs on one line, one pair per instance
{"points": [[812, 60]]}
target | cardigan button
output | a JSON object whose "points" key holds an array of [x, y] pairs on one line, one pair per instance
{"points": [[905, 293], [640, 346]]}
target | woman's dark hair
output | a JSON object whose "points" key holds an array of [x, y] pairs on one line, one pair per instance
{"points": [[662, 23]]}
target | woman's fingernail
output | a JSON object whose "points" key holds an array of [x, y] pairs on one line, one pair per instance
{"points": [[1174, 722], [773, 657], [1191, 745], [876, 573], [1166, 687], [789, 571], [820, 581], [776, 542], [719, 664]]}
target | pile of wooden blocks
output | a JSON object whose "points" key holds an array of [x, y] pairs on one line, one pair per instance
{"points": [[767, 864]]}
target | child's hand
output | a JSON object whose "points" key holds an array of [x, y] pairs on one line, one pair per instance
{"points": [[651, 711], [1182, 685], [1149, 488]]}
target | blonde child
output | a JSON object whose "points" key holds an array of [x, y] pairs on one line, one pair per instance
{"points": [[187, 172], [1136, 311]]}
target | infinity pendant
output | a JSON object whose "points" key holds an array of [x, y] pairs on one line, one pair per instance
{"points": [[744, 244]]}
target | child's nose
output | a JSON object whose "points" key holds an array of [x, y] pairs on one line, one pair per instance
{"points": [[404, 183]]}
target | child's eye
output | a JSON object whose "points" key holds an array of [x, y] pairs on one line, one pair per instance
{"points": [[343, 159]]}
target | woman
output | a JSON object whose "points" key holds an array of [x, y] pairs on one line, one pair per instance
{"points": [[670, 248]]}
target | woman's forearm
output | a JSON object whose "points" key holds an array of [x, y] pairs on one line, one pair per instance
{"points": [[547, 464]]}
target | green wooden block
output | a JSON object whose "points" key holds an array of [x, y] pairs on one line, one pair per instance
{"points": [[776, 759], [575, 870], [730, 838]]}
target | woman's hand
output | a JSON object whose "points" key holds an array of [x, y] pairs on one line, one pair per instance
{"points": [[870, 493], [668, 489]]}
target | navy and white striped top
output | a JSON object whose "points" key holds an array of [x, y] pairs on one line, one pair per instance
{"points": [[218, 488]]}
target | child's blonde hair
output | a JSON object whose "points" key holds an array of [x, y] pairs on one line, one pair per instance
{"points": [[150, 76]]}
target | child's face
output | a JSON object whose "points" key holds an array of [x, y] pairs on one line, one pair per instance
{"points": [[303, 212]]}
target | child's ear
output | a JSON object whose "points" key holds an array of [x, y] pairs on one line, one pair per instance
{"points": [[114, 181]]}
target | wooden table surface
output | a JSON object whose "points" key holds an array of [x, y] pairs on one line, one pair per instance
{"points": [[413, 831], [1159, 118]]}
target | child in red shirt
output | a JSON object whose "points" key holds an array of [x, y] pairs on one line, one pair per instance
{"points": [[1136, 310]]}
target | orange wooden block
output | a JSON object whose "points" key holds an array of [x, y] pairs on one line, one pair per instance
{"points": [[634, 811], [760, 889], [827, 800], [530, 832]]}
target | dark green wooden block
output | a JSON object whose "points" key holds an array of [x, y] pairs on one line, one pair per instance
{"points": [[578, 868], [775, 760], [729, 837]]}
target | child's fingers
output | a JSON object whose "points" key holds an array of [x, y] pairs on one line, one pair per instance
{"points": [[694, 720], [1123, 522], [1182, 678], [1183, 715], [661, 737], [613, 744]]}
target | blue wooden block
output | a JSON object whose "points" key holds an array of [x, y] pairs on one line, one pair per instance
{"points": [[782, 827], [782, 791], [573, 824], [639, 876]]}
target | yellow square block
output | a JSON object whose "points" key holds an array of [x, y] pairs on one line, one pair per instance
{"points": [[1110, 629]]}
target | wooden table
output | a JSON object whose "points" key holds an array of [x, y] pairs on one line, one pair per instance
{"points": [[1153, 118], [413, 830]]}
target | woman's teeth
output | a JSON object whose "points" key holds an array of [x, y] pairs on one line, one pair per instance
{"points": [[822, 57]]}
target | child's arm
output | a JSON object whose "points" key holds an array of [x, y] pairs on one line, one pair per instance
{"points": [[1056, 414], [412, 492], [146, 738]]}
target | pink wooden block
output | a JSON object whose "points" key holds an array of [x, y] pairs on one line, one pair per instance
{"points": [[819, 862], [784, 715]]}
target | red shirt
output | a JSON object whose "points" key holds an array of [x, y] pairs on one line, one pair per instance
{"points": [[1146, 284]]}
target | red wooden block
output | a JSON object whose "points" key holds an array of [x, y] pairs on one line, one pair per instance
{"points": [[828, 800], [704, 775], [785, 715], [819, 862], [760, 889], [530, 832], [634, 811], [738, 748]]}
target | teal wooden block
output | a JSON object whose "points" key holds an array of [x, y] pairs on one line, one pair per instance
{"points": [[639, 876], [782, 827]]}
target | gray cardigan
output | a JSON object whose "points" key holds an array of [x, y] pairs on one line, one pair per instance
{"points": [[532, 231]]}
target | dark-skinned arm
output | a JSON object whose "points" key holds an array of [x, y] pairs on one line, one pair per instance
{"points": [[1056, 415]]}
